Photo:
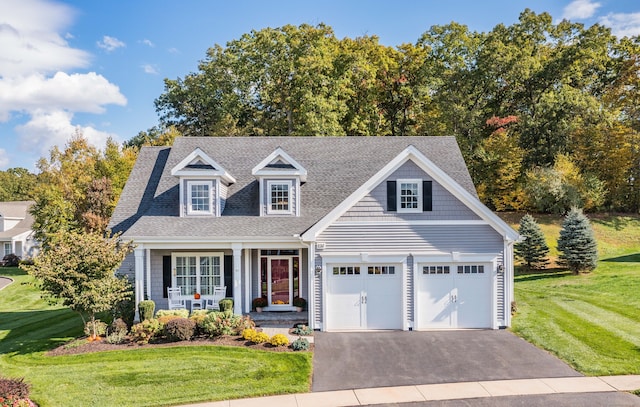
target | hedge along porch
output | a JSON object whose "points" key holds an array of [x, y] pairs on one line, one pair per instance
{"points": [[349, 224]]}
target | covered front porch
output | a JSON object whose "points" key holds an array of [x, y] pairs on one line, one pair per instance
{"points": [[277, 272]]}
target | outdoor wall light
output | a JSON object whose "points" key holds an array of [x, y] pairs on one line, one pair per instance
{"points": [[318, 270], [500, 268]]}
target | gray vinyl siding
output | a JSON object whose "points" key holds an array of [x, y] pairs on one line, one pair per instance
{"points": [[128, 266], [186, 197], [266, 196], [500, 293], [223, 196], [373, 207], [406, 238], [317, 295]]}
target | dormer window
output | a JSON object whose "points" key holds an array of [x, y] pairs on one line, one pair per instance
{"points": [[279, 197], [199, 193], [203, 185], [280, 177]]}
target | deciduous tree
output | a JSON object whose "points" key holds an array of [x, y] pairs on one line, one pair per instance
{"points": [[79, 269]]}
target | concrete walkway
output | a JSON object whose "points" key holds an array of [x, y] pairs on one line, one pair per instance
{"points": [[5, 281], [578, 387]]}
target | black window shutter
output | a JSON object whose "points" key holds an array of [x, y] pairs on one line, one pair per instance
{"points": [[228, 275], [391, 196], [427, 196], [166, 274]]}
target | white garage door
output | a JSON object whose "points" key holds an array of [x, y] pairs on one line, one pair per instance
{"points": [[454, 296], [364, 296]]}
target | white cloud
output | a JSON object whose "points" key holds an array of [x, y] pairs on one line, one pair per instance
{"points": [[30, 39], [150, 69], [88, 92], [621, 24], [580, 9], [36, 80], [148, 43], [110, 43], [54, 128], [173, 50], [4, 158]]}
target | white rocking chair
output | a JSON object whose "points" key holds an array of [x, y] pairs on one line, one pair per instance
{"points": [[175, 302], [218, 294]]}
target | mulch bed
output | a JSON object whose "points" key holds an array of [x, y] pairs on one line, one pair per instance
{"points": [[80, 346]]}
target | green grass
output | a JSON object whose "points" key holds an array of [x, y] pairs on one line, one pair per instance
{"points": [[142, 377], [592, 321]]}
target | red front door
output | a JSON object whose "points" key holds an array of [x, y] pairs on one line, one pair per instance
{"points": [[280, 282]]}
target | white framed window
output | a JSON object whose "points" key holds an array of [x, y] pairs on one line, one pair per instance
{"points": [[7, 249], [471, 269], [197, 272], [279, 197], [409, 195], [199, 195]]}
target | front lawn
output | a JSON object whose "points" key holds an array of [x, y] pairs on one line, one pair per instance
{"points": [[142, 377], [592, 321]]}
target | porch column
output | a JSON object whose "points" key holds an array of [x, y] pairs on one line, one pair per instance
{"points": [[148, 269], [247, 279], [311, 277], [237, 283], [139, 278]]}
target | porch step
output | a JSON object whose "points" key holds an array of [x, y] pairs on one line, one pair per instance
{"points": [[285, 319]]}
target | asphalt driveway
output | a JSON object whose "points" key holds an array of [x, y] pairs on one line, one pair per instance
{"points": [[357, 360]]}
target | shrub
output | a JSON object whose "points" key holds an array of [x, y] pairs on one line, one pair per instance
{"points": [[248, 334], [300, 344], [117, 331], [220, 323], [146, 309], [177, 312], [198, 317], [279, 340], [13, 401], [13, 387], [299, 302], [244, 322], [125, 309], [302, 330], [145, 330], [180, 329], [260, 337], [226, 304], [95, 328], [11, 260], [259, 302]]}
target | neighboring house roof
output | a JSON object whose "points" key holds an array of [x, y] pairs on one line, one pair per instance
{"points": [[16, 210], [336, 168]]}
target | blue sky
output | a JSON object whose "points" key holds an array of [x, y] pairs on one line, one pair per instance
{"points": [[98, 66]]}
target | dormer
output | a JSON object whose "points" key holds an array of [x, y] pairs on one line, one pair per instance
{"points": [[280, 178], [203, 185]]}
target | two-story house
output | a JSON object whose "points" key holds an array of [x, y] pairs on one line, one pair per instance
{"points": [[16, 236], [374, 232]]}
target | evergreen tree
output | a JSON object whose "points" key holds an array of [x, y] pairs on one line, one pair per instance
{"points": [[577, 244], [533, 250]]}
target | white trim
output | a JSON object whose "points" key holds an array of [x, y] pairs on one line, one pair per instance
{"points": [[247, 280], [311, 277], [455, 257], [147, 258], [450, 222], [439, 176], [399, 208], [191, 183], [237, 278], [289, 184], [279, 153], [218, 171], [139, 278]]}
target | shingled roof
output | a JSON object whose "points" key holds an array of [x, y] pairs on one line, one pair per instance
{"points": [[20, 210], [337, 166]]}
